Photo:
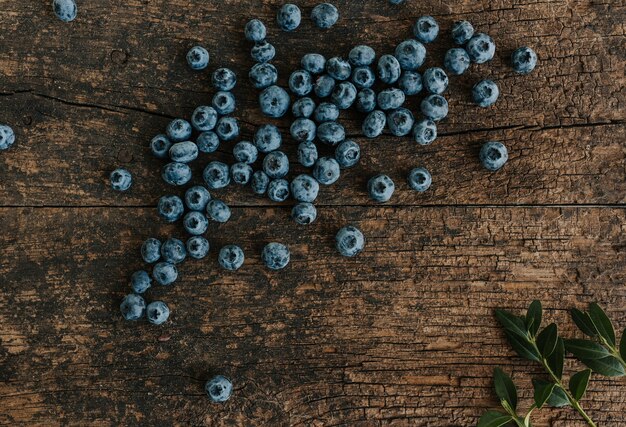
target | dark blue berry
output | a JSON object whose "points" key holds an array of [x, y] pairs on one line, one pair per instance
{"points": [[160, 146], [349, 241], [303, 108], [304, 213], [195, 223], [390, 99], [173, 251], [374, 124], [263, 52], [380, 188], [208, 142], [366, 101], [524, 60], [198, 58], [196, 198], [151, 250], [326, 112], [216, 175], [179, 130], [493, 155], [289, 17], [259, 183], [278, 190], [462, 32], [331, 133], [363, 77], [157, 312], [267, 138], [338, 68], [224, 79], [133, 307], [245, 152], [164, 273], [204, 118], [304, 188], [400, 122], [435, 80], [307, 154], [170, 208], [325, 15], [485, 93], [361, 56], [176, 173], [396, 2], [140, 281], [263, 75], [300, 82], [219, 388], [224, 103], [344, 95], [65, 10], [184, 152], [457, 61], [276, 164], [275, 256], [426, 29], [388, 69], [425, 132], [255, 31], [324, 86], [303, 130], [218, 211], [481, 48], [197, 247], [227, 128], [420, 179], [274, 101], [326, 170], [411, 54], [347, 154], [121, 179], [435, 107], [410, 83], [241, 173], [314, 63]]}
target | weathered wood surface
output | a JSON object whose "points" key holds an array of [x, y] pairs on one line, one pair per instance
{"points": [[402, 335]]}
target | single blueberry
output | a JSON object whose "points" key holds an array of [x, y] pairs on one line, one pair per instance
{"points": [[216, 175], [338, 68], [267, 138], [326, 112], [396, 2], [259, 183], [227, 128], [325, 15], [349, 241], [400, 122], [219, 388], [274, 101], [314, 63], [425, 132], [289, 17], [374, 124], [524, 60], [410, 83], [303, 108], [7, 137], [303, 130], [255, 31], [179, 130], [140, 281], [231, 257], [224, 79], [176, 173], [435, 107], [263, 52], [157, 312], [485, 93], [204, 118], [324, 86], [224, 103], [380, 188], [170, 208], [164, 273], [361, 56], [278, 190], [388, 69], [426, 29], [481, 48], [304, 213], [195, 223], [462, 32], [331, 133], [344, 95], [457, 61], [245, 152], [208, 142], [435, 80], [348, 154], [133, 307], [301, 82], [411, 54], [493, 155], [160, 146], [276, 164], [390, 99], [151, 250], [304, 188], [218, 211], [173, 251], [307, 154], [121, 179], [326, 170], [363, 77], [275, 256], [196, 198], [366, 101], [65, 10], [198, 58], [420, 179], [263, 75], [197, 247], [241, 173], [184, 152]]}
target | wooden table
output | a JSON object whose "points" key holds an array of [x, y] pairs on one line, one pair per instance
{"points": [[404, 334]]}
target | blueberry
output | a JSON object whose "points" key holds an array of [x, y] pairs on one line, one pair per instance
{"points": [[425, 132], [164, 273], [304, 188], [485, 93], [326, 170], [219, 388], [481, 48], [457, 61], [300, 82], [259, 182], [361, 56], [349, 241], [411, 54], [462, 32], [396, 2], [374, 124], [197, 247], [173, 251], [216, 175], [157, 312], [331, 133], [420, 179], [276, 164], [160, 146], [363, 77], [274, 101], [344, 95], [314, 63], [65, 10], [241, 173], [435, 80], [426, 29], [151, 250], [178, 130], [307, 154], [289, 17], [388, 69], [231, 257], [227, 128], [326, 112], [198, 58], [380, 188], [224, 79], [7, 137], [390, 99], [195, 223], [224, 103], [133, 307], [121, 179], [348, 154], [435, 107], [245, 152], [140, 281], [196, 198], [184, 152], [176, 173], [524, 60], [255, 31], [218, 211], [410, 83], [325, 15], [267, 138], [275, 256], [303, 108], [303, 130], [366, 101], [493, 155], [278, 190], [324, 86], [204, 118], [208, 142], [304, 213], [263, 52], [263, 75], [338, 68], [400, 122], [170, 208]]}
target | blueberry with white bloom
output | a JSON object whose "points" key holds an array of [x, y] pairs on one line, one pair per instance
{"points": [[485, 93], [349, 241], [344, 95], [410, 83], [170, 208], [216, 175], [481, 48], [457, 61], [388, 69], [219, 388], [462, 32], [263, 75], [411, 54], [365, 101], [348, 154], [362, 56], [267, 138], [274, 101], [255, 31], [245, 152], [204, 118], [390, 99], [241, 173], [380, 188], [493, 155], [314, 63], [224, 79], [157, 312], [420, 179], [198, 58], [524, 60], [363, 77], [164, 273], [65, 10], [218, 211], [304, 213], [338, 68], [425, 132], [304, 188], [224, 102], [435, 107], [278, 190], [374, 124], [326, 112], [263, 52], [184, 152], [307, 154], [121, 179], [426, 29], [259, 182], [196, 198], [173, 251], [400, 122], [325, 15], [151, 250], [303, 130], [197, 247], [208, 142], [324, 86], [179, 130], [303, 108], [275, 256], [159, 145], [195, 223], [289, 17], [435, 80], [331, 133], [176, 173], [140, 281], [276, 164], [133, 307], [300, 82], [227, 128], [326, 170]]}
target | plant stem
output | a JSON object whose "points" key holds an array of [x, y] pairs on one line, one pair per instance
{"points": [[614, 351]]}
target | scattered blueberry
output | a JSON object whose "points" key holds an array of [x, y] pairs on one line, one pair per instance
{"points": [[224, 79], [7, 137], [338, 68], [216, 175], [218, 211], [325, 15], [245, 152], [435, 107], [462, 32], [275, 256], [231, 257], [65, 10], [410, 83], [304, 213], [485, 93], [396, 2], [344, 95], [219, 388], [170, 208], [303, 108], [289, 17], [196, 198], [133, 307], [121, 179], [524, 60], [388, 69], [426, 29], [204, 118], [314, 63], [255, 31], [390, 99], [197, 247], [224, 103], [259, 183], [160, 146], [300, 82], [195, 223], [307, 154], [157, 312], [263, 75], [411, 54], [164, 273], [348, 154], [435, 80], [278, 190], [349, 241], [400, 122], [366, 101], [326, 112], [173, 251], [363, 77], [140, 281], [493, 155], [380, 188], [326, 170], [324, 86], [362, 56], [331, 133], [457, 61], [303, 130], [420, 179], [276, 164], [481, 48], [263, 52], [198, 58], [179, 130], [184, 152], [267, 138], [176, 173], [274, 101], [227, 128], [241, 173], [208, 142], [425, 132], [151, 250], [304, 188], [374, 124]]}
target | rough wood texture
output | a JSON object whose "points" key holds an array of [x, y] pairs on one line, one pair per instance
{"points": [[403, 334]]}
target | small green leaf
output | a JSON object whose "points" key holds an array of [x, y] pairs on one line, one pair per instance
{"points": [[584, 322], [585, 349], [522, 346], [602, 323], [512, 323], [494, 419], [608, 366], [578, 383], [558, 399], [555, 360], [542, 393], [533, 317], [622, 345], [505, 388], [546, 340]]}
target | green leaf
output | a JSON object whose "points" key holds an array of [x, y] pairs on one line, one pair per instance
{"points": [[512, 323], [546, 340], [558, 399], [608, 366], [494, 419], [578, 383], [542, 393], [533, 317], [584, 322], [523, 347], [585, 349], [505, 388], [622, 345], [602, 323], [555, 360]]}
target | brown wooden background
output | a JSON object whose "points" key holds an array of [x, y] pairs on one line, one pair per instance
{"points": [[403, 334]]}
